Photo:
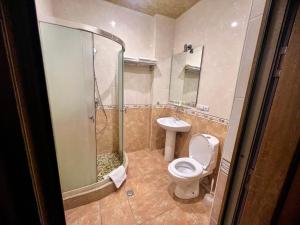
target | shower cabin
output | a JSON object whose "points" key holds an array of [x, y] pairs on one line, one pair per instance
{"points": [[84, 75]]}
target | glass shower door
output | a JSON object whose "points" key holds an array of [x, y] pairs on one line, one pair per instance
{"points": [[68, 61]]}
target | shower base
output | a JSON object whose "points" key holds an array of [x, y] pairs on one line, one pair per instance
{"points": [[98, 190], [107, 162]]}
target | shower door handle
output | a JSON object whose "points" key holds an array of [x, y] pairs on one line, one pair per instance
{"points": [[92, 118]]}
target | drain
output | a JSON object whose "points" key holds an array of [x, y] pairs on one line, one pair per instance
{"points": [[130, 193]]}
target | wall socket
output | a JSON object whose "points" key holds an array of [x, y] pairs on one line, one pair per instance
{"points": [[204, 108]]}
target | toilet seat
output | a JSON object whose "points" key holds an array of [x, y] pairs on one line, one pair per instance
{"points": [[185, 168], [187, 173]]}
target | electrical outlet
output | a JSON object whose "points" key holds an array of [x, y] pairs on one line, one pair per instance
{"points": [[204, 108]]}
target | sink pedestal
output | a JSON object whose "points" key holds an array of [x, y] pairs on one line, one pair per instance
{"points": [[170, 145], [172, 125]]}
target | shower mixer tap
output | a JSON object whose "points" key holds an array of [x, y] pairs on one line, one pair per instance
{"points": [[92, 118]]}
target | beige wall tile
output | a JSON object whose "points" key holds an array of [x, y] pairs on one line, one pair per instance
{"points": [[137, 129], [107, 131], [134, 28], [156, 36], [257, 8], [137, 84], [209, 23], [219, 194], [233, 128], [157, 135], [199, 125], [247, 56]]}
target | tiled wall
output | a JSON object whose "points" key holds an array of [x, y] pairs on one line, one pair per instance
{"points": [[248, 61], [137, 127], [142, 131], [207, 23], [157, 134], [107, 130], [137, 85], [221, 27], [134, 28], [201, 123]]}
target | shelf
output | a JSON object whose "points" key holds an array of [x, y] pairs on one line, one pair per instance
{"points": [[140, 62], [192, 68]]}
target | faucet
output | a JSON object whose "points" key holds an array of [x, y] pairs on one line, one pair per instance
{"points": [[178, 107]]}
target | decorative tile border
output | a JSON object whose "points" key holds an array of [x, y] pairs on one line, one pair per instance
{"points": [[225, 165], [188, 110], [194, 112], [161, 106], [137, 106], [99, 107], [198, 113]]}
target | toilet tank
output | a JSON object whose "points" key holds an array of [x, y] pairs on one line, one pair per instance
{"points": [[204, 149]]}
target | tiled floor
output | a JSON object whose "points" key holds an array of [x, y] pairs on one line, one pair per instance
{"points": [[151, 204]]}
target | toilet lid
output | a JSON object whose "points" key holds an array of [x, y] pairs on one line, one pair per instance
{"points": [[200, 150], [185, 168]]}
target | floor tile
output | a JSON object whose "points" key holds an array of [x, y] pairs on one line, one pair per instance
{"points": [[175, 216], [120, 214], [198, 207], [132, 170], [86, 214], [114, 199], [153, 201], [157, 178], [151, 164], [138, 155], [150, 203]]}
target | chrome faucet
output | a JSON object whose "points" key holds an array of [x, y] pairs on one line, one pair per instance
{"points": [[178, 107]]}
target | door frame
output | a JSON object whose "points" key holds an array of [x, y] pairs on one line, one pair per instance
{"points": [[26, 80], [258, 107]]}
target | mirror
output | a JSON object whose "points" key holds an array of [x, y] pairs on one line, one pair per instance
{"points": [[185, 76]]}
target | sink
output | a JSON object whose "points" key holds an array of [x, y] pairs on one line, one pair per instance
{"points": [[172, 125]]}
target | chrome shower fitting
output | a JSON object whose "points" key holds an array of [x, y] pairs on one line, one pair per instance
{"points": [[188, 48]]}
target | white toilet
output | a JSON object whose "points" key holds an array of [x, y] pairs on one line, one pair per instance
{"points": [[187, 172]]}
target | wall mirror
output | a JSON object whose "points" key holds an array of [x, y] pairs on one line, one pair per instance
{"points": [[185, 76]]}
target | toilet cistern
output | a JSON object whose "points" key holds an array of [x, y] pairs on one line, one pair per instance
{"points": [[172, 125]]}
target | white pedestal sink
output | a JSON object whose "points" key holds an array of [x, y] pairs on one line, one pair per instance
{"points": [[172, 125]]}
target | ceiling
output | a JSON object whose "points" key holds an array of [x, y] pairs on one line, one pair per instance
{"points": [[170, 8]]}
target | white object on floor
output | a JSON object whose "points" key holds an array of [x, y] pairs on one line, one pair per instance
{"points": [[187, 172], [208, 199], [118, 176]]}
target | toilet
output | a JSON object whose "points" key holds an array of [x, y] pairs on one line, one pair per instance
{"points": [[187, 172]]}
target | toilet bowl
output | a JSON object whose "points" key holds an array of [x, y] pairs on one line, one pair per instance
{"points": [[187, 172]]}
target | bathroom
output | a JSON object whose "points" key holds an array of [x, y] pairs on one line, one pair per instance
{"points": [[163, 77]]}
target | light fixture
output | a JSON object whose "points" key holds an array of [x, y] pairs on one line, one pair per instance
{"points": [[113, 23], [234, 24]]}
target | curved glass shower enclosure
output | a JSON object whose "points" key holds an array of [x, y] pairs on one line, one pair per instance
{"points": [[84, 76]]}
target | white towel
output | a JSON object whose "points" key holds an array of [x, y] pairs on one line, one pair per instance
{"points": [[118, 176]]}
